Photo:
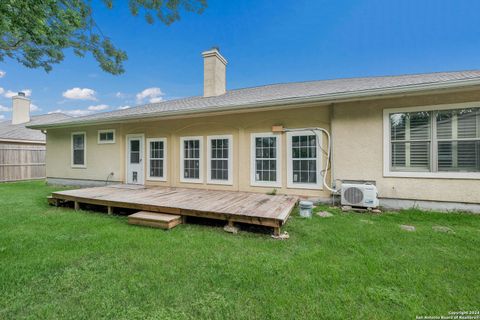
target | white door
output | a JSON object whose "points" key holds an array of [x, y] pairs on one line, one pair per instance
{"points": [[135, 163]]}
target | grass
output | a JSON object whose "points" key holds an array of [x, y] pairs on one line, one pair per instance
{"points": [[58, 263]]}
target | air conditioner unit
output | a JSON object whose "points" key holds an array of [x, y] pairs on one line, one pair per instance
{"points": [[359, 195]]}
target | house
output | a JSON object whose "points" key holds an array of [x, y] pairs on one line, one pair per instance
{"points": [[417, 137], [22, 150]]}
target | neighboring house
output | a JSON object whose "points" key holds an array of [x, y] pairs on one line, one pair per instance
{"points": [[22, 150], [416, 136]]}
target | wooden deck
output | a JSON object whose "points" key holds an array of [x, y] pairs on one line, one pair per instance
{"points": [[232, 206]]}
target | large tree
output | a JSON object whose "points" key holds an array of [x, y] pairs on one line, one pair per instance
{"points": [[37, 32]]}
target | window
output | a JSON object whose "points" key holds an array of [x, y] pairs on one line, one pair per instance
{"points": [[441, 141], [304, 165], [106, 136], [410, 138], [135, 151], [220, 159], [265, 164], [157, 155], [79, 150], [191, 159]]}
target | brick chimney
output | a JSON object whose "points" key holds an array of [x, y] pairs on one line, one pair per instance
{"points": [[20, 108], [214, 73]]}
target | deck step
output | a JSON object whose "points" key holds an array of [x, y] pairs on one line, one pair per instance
{"points": [[155, 219]]}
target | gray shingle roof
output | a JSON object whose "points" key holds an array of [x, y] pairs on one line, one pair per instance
{"points": [[11, 131], [276, 93]]}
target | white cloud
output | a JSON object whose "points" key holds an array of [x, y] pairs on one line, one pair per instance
{"points": [[123, 107], [73, 113], [4, 109], [120, 95], [99, 107], [157, 99], [2, 73], [2, 117], [153, 94], [2, 90], [80, 94], [34, 107], [9, 93]]}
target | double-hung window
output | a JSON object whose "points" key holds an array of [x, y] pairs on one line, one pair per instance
{"points": [[304, 159], [265, 164], [442, 141], [219, 163], [191, 159], [79, 150], [157, 155]]}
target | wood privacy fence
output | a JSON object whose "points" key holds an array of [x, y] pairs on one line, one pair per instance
{"points": [[21, 162]]}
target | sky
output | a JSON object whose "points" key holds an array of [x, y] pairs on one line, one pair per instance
{"points": [[264, 42]]}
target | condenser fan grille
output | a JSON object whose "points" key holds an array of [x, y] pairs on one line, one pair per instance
{"points": [[353, 195]]}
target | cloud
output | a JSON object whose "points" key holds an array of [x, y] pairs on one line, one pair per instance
{"points": [[34, 107], [123, 107], [2, 73], [73, 113], [2, 117], [80, 94], [9, 93], [99, 107], [153, 94], [155, 100], [2, 90], [4, 109], [120, 95]]}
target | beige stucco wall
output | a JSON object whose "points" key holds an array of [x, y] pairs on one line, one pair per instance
{"points": [[105, 158], [358, 150]]}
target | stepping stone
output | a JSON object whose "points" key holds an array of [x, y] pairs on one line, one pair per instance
{"points": [[366, 221], [376, 211], [407, 227], [346, 208], [443, 229], [324, 214]]}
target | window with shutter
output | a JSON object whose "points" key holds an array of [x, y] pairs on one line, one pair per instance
{"points": [[435, 140], [410, 141], [458, 140]]}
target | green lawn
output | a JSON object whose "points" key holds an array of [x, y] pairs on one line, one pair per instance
{"points": [[58, 263]]}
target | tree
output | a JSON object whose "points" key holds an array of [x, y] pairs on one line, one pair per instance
{"points": [[36, 32]]}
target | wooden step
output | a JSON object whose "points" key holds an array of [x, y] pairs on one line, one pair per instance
{"points": [[155, 219]]}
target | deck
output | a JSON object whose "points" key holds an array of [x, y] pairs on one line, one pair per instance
{"points": [[232, 206]]}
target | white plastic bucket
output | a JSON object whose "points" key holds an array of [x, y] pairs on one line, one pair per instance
{"points": [[306, 209]]}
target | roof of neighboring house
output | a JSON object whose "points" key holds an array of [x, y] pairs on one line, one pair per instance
{"points": [[19, 132], [285, 93]]}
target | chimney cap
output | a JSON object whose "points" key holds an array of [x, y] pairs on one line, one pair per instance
{"points": [[214, 51], [21, 94]]}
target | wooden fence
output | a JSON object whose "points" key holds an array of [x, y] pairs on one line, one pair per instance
{"points": [[21, 162]]}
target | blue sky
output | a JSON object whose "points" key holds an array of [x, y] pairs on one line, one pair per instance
{"points": [[264, 42]]}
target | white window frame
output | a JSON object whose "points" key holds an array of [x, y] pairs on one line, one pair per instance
{"points": [[84, 165], [387, 172], [230, 159], [182, 158], [165, 154], [107, 141], [295, 185], [253, 168]]}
